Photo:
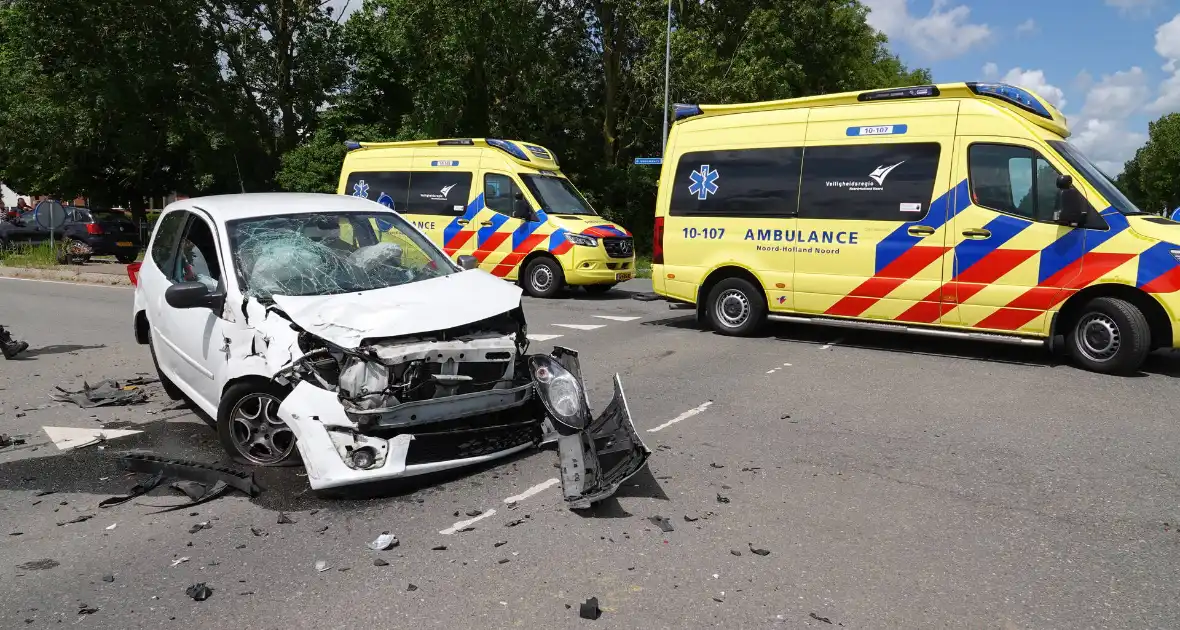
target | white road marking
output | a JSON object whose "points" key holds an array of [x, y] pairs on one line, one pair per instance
{"points": [[828, 346], [467, 523], [618, 318], [73, 284], [772, 371], [540, 338], [66, 438], [582, 326], [684, 416], [541, 487], [786, 365]]}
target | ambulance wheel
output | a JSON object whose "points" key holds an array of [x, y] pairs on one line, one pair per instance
{"points": [[544, 278], [1110, 336], [736, 308]]}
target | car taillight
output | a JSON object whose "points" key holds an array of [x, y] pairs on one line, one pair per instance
{"points": [[133, 273], [93, 228], [657, 247]]}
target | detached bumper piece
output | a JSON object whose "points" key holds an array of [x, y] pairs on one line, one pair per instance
{"points": [[596, 457]]}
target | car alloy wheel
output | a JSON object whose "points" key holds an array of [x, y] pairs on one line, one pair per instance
{"points": [[258, 434]]}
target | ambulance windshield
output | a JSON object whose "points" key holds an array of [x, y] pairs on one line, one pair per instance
{"points": [[557, 195], [1102, 182]]}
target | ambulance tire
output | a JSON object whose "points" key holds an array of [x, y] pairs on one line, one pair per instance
{"points": [[1110, 336], [543, 278], [736, 308]]}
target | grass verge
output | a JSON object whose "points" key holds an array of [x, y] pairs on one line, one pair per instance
{"points": [[643, 266], [39, 256]]}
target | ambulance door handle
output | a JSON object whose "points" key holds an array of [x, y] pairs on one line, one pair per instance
{"points": [[921, 230], [462, 221], [486, 223], [977, 234]]}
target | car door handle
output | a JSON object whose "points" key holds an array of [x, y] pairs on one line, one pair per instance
{"points": [[921, 230], [486, 223], [462, 221], [977, 233]]}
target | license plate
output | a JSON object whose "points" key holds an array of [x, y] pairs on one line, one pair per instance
{"points": [[619, 277], [124, 244]]}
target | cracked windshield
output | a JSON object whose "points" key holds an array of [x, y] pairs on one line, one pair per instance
{"points": [[330, 253]]}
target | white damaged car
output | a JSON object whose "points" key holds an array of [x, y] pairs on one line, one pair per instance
{"points": [[326, 328]]}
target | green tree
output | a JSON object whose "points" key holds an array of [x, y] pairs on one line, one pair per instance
{"points": [[108, 99], [1152, 178]]}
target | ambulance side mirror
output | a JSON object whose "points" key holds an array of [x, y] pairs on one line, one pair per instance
{"points": [[1072, 206], [521, 208]]}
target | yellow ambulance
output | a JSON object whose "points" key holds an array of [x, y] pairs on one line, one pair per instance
{"points": [[955, 210], [502, 201]]}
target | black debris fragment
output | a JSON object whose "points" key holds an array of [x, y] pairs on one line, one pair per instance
{"points": [[411, 587], [725, 487], [45, 493], [81, 518], [256, 531], [107, 393], [17, 534], [760, 552], [589, 609], [439, 548], [716, 465], [87, 609], [691, 518], [500, 543], [503, 561], [735, 552], [456, 513], [199, 592], [284, 519], [343, 569], [663, 523], [6, 441], [108, 578], [193, 490], [241, 546], [646, 297], [752, 469], [199, 526], [719, 600], [193, 471], [466, 529], [721, 498], [818, 618], [322, 529], [384, 542], [514, 523], [40, 565], [474, 512], [378, 562]]}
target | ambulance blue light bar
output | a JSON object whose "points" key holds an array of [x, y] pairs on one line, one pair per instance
{"points": [[921, 91], [684, 110], [1011, 94], [352, 145], [509, 148]]}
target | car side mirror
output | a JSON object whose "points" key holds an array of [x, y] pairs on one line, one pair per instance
{"points": [[1064, 182], [1074, 208], [467, 261], [521, 208], [187, 295]]}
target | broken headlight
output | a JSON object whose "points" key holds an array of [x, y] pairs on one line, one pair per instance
{"points": [[560, 392]]}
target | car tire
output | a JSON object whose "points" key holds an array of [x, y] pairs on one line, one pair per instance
{"points": [[543, 278], [127, 259], [735, 308], [249, 428], [598, 289], [170, 388], [1110, 336]]}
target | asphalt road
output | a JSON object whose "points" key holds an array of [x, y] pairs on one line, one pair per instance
{"points": [[895, 481]]}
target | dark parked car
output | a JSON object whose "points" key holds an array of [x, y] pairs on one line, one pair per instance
{"points": [[22, 230], [104, 233]]}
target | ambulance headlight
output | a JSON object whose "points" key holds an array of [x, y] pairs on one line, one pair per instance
{"points": [[560, 392], [583, 240]]}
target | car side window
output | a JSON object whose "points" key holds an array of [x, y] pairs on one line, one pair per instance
{"points": [[869, 182], [1013, 180], [168, 232], [499, 193], [198, 260]]}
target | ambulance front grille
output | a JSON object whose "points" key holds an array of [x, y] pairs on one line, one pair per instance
{"points": [[619, 247]]}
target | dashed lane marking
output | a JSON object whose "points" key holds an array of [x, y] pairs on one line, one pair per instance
{"points": [[684, 416], [467, 523], [67, 438], [541, 487], [582, 326], [618, 318]]}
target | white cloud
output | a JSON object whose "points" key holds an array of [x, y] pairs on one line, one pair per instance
{"points": [[991, 71], [1117, 95], [1035, 80], [940, 34], [1028, 27], [1167, 45], [1133, 6], [1107, 142]]}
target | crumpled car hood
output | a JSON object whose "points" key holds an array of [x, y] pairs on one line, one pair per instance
{"points": [[440, 303]]}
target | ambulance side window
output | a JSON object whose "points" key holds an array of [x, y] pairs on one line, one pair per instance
{"points": [[1013, 180], [499, 192], [757, 183], [873, 182], [438, 192], [388, 188]]}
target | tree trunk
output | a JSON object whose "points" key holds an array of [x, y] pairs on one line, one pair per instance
{"points": [[608, 19]]}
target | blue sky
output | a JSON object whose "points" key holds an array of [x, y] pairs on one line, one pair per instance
{"points": [[1110, 65]]}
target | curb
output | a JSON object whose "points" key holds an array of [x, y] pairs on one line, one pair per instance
{"points": [[58, 275]]}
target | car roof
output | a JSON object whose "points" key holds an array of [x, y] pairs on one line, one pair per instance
{"points": [[225, 208]]}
